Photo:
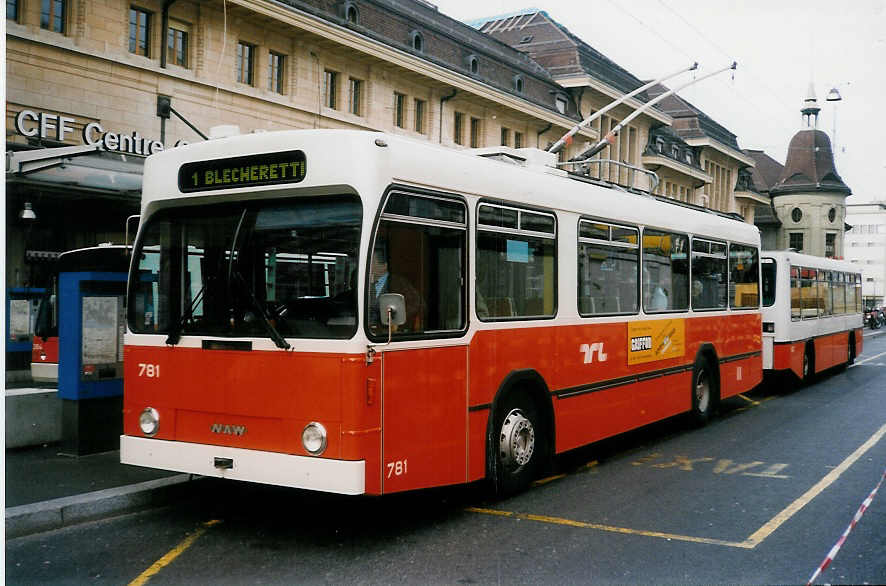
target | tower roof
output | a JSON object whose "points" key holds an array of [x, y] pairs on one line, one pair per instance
{"points": [[810, 166]]}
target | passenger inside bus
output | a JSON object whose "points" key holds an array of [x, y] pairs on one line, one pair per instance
{"points": [[382, 281]]}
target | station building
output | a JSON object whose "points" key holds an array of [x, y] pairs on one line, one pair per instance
{"points": [[111, 82]]}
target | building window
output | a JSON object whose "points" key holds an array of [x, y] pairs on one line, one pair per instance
{"points": [[830, 244], [796, 241], [832, 215], [276, 72], [12, 9], [53, 15], [796, 214], [475, 133], [420, 116], [458, 130], [473, 65], [245, 63], [418, 42], [505, 136], [518, 84], [560, 103], [177, 44], [355, 95], [518, 140], [330, 89], [352, 15], [399, 110], [139, 31]]}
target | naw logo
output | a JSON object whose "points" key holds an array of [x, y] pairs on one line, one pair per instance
{"points": [[225, 429]]}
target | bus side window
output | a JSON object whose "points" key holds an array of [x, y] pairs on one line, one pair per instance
{"points": [[516, 263], [709, 273], [419, 252], [608, 265], [665, 271], [743, 276]]}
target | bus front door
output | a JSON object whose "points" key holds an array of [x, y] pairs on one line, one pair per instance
{"points": [[425, 413]]}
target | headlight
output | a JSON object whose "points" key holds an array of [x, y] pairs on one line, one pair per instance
{"points": [[149, 421], [313, 438]]}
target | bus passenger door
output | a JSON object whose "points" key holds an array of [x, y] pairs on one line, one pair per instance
{"points": [[424, 421]]}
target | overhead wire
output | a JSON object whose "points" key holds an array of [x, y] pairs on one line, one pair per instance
{"points": [[732, 88]]}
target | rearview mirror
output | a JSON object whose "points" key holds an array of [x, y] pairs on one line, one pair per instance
{"points": [[394, 302]]}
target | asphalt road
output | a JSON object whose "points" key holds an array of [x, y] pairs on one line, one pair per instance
{"points": [[759, 495]]}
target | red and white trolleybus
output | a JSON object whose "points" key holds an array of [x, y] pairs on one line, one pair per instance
{"points": [[361, 313], [812, 313]]}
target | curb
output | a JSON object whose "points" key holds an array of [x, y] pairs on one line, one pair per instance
{"points": [[64, 512]]}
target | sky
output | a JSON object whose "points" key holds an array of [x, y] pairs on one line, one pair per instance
{"points": [[780, 46]]}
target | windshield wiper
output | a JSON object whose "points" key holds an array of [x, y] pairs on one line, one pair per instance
{"points": [[275, 335], [175, 332], [234, 275]]}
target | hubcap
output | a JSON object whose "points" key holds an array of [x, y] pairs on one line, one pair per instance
{"points": [[702, 392], [517, 439], [805, 365]]}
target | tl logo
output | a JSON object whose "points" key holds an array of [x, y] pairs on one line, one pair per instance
{"points": [[228, 429], [589, 349]]}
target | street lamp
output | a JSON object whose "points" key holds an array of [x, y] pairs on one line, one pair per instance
{"points": [[834, 96]]}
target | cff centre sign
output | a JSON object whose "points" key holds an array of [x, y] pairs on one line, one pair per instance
{"points": [[57, 127]]}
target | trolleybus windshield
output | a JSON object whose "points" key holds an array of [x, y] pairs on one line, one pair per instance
{"points": [[292, 272]]}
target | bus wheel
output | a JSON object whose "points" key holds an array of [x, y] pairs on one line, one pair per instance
{"points": [[808, 364], [703, 394], [518, 442]]}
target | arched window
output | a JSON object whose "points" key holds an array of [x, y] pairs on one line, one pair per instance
{"points": [[418, 41], [473, 64], [351, 13], [518, 84]]}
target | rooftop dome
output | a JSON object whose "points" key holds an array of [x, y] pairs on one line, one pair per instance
{"points": [[810, 166]]}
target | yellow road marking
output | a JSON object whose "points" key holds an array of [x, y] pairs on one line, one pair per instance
{"points": [[548, 479], [600, 527], [751, 542], [751, 401], [173, 553]]}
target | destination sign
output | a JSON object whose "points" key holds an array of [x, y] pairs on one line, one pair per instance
{"points": [[247, 171]]}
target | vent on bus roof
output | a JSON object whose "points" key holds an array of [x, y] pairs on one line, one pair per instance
{"points": [[529, 158]]}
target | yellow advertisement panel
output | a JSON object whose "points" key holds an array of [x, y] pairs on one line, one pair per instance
{"points": [[656, 340]]}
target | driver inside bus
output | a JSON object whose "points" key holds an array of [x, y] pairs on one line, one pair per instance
{"points": [[382, 281]]}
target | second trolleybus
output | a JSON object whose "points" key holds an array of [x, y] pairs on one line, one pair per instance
{"points": [[361, 313], [812, 313]]}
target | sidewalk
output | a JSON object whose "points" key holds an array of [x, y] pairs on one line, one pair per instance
{"points": [[45, 490]]}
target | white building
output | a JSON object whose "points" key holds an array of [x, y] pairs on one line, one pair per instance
{"points": [[866, 247]]}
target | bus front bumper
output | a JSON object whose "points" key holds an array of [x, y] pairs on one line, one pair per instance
{"points": [[338, 476]]}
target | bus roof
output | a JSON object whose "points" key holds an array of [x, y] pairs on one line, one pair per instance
{"points": [[367, 163], [107, 258], [813, 262]]}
